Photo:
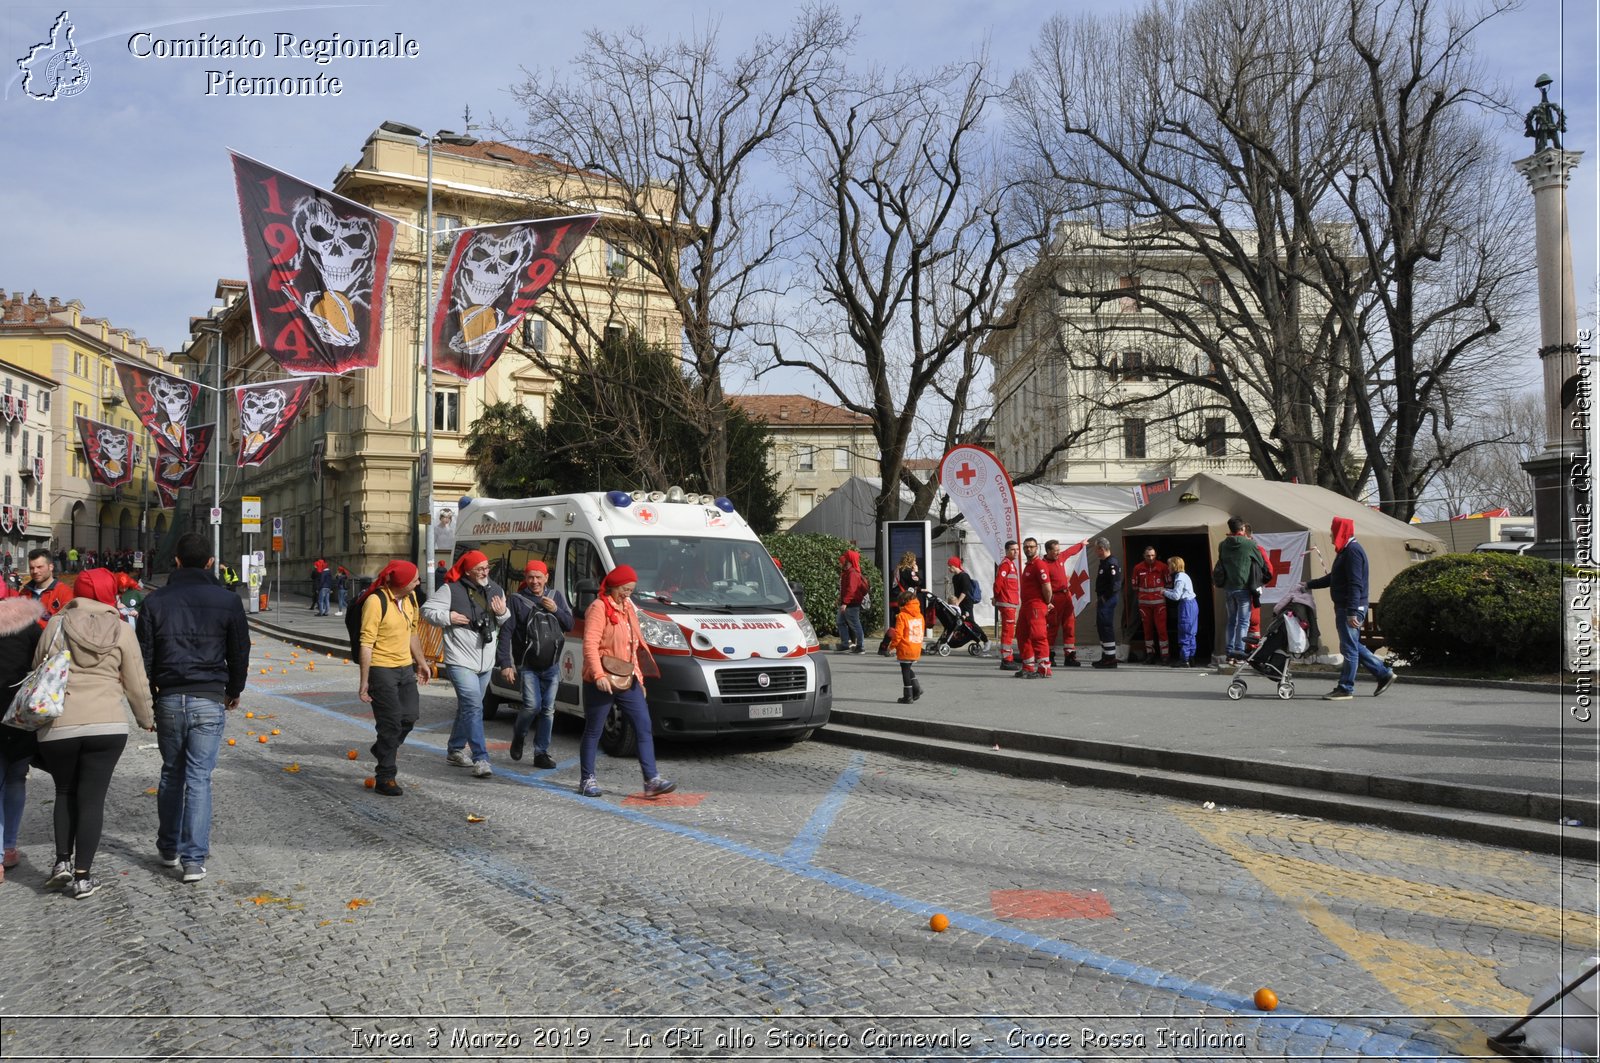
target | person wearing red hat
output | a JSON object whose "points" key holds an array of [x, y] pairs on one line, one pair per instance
{"points": [[471, 608], [961, 587], [613, 647], [392, 664], [531, 645], [852, 592], [1348, 582]]}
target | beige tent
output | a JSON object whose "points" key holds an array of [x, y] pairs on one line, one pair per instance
{"points": [[1191, 519]]}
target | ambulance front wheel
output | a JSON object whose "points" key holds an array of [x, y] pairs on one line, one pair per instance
{"points": [[618, 737]]}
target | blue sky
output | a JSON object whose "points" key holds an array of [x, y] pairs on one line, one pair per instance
{"points": [[121, 195]]}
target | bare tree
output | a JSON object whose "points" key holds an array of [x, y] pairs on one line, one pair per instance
{"points": [[672, 140], [1215, 161], [1485, 471], [909, 245]]}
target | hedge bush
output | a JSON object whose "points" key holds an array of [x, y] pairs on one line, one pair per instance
{"points": [[1483, 611], [813, 560]]}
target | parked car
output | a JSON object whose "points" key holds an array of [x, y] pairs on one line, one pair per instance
{"points": [[1509, 546]]}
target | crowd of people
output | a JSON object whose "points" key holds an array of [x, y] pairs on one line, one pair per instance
{"points": [[1035, 609]]}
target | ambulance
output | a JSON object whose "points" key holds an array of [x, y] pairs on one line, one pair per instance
{"points": [[735, 652]]}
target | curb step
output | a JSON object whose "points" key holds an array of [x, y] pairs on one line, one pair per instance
{"points": [[1467, 825]]}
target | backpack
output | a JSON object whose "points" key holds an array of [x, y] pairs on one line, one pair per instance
{"points": [[352, 620], [977, 591], [542, 639]]}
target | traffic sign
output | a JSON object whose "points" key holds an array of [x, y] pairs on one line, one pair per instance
{"points": [[250, 514], [277, 530], [216, 514], [277, 544]]}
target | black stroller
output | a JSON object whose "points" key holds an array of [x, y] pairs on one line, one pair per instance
{"points": [[1292, 636], [958, 631]]}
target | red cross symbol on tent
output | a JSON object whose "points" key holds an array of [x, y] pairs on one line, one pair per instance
{"points": [[1277, 566], [966, 474]]}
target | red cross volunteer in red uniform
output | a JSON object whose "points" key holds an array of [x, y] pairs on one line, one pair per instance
{"points": [[1036, 594], [1007, 600], [1150, 579]]}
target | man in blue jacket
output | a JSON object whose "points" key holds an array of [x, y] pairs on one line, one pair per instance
{"points": [[1347, 582], [196, 645]]}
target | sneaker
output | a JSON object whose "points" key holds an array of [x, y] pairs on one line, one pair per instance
{"points": [[589, 787], [517, 742], [461, 758], [388, 788], [658, 786], [82, 887], [859, 649], [60, 875], [1337, 694], [12, 859], [543, 760], [482, 770], [1023, 673], [168, 859], [1385, 683], [193, 872]]}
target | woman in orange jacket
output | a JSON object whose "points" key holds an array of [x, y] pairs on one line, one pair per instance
{"points": [[906, 638], [612, 643]]}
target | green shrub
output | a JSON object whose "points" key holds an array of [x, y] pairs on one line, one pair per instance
{"points": [[813, 560], [1483, 611]]}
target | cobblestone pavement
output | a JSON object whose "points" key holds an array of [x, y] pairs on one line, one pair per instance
{"points": [[777, 906]]}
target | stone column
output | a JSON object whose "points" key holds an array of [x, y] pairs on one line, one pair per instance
{"points": [[1560, 474]]}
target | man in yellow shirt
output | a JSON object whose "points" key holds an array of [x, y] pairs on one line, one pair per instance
{"points": [[392, 664]]}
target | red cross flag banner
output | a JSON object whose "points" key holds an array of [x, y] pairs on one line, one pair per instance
{"points": [[265, 413], [162, 403], [1285, 551], [1079, 583], [982, 489], [109, 450], [494, 275], [318, 265]]}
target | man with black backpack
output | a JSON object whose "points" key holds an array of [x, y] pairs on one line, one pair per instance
{"points": [[540, 619]]}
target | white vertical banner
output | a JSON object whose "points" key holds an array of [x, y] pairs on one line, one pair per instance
{"points": [[982, 488]]}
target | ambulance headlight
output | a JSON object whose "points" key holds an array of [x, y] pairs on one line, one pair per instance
{"points": [[808, 633], [662, 634]]}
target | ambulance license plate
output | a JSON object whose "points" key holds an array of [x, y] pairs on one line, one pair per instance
{"points": [[766, 712]]}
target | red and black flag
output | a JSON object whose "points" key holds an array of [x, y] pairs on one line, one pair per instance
{"points": [[318, 265], [163, 404], [265, 413], [172, 474], [494, 275], [109, 450]]}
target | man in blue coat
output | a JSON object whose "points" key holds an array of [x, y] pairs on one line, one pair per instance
{"points": [[1347, 582]]}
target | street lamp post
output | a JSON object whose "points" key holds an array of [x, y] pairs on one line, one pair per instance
{"points": [[216, 438], [425, 482]]}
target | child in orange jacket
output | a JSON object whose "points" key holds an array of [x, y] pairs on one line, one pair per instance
{"points": [[907, 641]]}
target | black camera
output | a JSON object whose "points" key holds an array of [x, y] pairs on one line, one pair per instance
{"points": [[485, 626]]}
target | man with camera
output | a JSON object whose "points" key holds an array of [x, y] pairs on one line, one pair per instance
{"points": [[471, 608]]}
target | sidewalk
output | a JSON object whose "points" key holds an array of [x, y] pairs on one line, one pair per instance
{"points": [[1486, 761]]}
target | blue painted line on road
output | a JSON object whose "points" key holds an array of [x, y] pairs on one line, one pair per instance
{"points": [[1295, 1023], [805, 845]]}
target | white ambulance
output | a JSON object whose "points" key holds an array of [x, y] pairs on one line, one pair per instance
{"points": [[736, 653]]}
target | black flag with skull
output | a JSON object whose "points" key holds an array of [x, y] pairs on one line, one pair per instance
{"points": [[163, 404], [265, 413], [109, 450], [495, 274]]}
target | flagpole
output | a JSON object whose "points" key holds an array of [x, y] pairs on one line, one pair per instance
{"points": [[216, 450], [426, 482]]}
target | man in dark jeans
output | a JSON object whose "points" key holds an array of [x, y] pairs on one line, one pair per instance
{"points": [[1347, 581], [196, 646], [392, 664]]}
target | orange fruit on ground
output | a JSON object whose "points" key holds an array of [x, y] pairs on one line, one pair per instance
{"points": [[352, 755], [1266, 999], [371, 783], [262, 739], [249, 715], [939, 923], [274, 730], [233, 741]]}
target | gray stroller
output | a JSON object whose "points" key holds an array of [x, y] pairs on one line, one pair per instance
{"points": [[1292, 636]]}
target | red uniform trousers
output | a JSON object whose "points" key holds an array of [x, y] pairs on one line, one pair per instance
{"points": [[1154, 618], [1063, 626], [1008, 630], [1035, 635]]}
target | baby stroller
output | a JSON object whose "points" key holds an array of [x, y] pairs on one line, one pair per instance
{"points": [[1292, 636], [958, 631]]}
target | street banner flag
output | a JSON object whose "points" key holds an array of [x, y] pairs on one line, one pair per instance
{"points": [[109, 450], [493, 276], [162, 403], [265, 413], [1285, 551], [172, 474], [1145, 492], [317, 265], [1080, 584], [981, 487]]}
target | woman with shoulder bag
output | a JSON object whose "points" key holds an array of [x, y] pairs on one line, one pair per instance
{"points": [[611, 645], [19, 634], [82, 746]]}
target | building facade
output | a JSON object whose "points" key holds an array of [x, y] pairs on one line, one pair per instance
{"points": [[1077, 374], [816, 447], [346, 481], [59, 364]]}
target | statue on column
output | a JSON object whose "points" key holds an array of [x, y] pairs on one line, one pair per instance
{"points": [[1547, 121]]}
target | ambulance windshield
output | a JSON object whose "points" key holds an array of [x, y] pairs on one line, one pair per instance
{"points": [[697, 573]]}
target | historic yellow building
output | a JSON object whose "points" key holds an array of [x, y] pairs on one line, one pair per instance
{"points": [[74, 354], [345, 481]]}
